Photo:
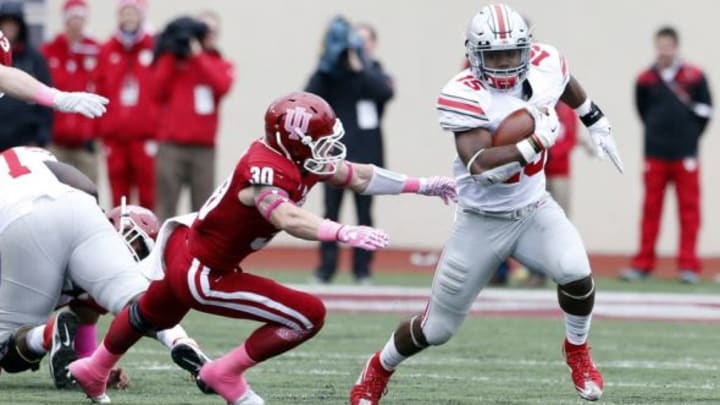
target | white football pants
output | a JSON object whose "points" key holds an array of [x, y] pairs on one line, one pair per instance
{"points": [[540, 236]]}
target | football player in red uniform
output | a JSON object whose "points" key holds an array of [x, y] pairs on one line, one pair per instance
{"points": [[201, 253], [19, 84]]}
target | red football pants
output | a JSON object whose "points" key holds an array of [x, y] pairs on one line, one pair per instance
{"points": [[131, 163], [290, 316], [685, 174]]}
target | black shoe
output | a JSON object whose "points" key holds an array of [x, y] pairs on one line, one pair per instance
{"points": [[62, 349], [191, 359]]}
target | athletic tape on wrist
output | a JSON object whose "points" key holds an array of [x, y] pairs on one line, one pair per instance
{"points": [[45, 96], [328, 231], [526, 150]]}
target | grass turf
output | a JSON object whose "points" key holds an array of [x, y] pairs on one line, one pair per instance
{"points": [[491, 361]]}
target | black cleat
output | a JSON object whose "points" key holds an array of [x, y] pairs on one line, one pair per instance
{"points": [[62, 349], [191, 359]]}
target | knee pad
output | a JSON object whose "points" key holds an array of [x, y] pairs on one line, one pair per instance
{"points": [[577, 297], [409, 337], [139, 323], [18, 359]]}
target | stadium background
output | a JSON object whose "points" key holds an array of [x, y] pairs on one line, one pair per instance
{"points": [[275, 45]]}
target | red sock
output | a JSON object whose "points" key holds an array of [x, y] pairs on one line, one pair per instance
{"points": [[121, 335], [271, 340]]}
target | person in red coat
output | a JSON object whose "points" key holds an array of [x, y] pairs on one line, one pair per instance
{"points": [[128, 129], [72, 57], [190, 83]]}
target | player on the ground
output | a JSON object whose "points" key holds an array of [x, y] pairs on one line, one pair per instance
{"points": [[503, 209], [201, 253], [19, 84], [53, 233]]}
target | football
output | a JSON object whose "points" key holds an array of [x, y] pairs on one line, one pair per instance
{"points": [[514, 128]]}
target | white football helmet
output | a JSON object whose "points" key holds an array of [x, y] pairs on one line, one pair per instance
{"points": [[498, 28]]}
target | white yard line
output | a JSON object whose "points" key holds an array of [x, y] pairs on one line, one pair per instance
{"points": [[620, 305]]}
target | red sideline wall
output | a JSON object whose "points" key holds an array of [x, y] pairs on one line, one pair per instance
{"points": [[408, 260]]}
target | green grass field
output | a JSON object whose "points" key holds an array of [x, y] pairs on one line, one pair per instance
{"points": [[491, 361]]}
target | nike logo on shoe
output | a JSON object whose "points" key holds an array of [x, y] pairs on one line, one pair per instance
{"points": [[66, 336]]}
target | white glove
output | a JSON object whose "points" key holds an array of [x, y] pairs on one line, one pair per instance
{"points": [[601, 134], [88, 104], [547, 126]]}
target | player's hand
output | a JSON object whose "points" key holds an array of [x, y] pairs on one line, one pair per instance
{"points": [[363, 237], [601, 134], [547, 125], [443, 187], [88, 104], [119, 379]]}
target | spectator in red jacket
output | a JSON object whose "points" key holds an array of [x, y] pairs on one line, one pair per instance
{"points": [[192, 78], [129, 127], [72, 57]]}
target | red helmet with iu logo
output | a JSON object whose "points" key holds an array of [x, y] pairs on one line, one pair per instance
{"points": [[5, 51], [303, 127], [138, 227]]}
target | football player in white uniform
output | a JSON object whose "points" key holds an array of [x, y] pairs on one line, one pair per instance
{"points": [[503, 209], [51, 232]]}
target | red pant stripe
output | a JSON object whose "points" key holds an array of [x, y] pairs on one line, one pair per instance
{"points": [[256, 305]]}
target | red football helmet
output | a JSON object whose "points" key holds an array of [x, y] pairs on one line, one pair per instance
{"points": [[138, 227], [303, 127], [5, 51]]}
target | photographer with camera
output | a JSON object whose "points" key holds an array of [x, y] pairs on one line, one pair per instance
{"points": [[124, 75], [355, 85], [191, 79]]}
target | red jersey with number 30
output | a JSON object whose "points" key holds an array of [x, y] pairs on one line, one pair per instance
{"points": [[226, 230]]}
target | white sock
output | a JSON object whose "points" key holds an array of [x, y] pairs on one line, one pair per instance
{"points": [[390, 358], [34, 340], [169, 337], [577, 328]]}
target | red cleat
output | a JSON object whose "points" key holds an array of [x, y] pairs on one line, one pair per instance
{"points": [[372, 383], [586, 377]]}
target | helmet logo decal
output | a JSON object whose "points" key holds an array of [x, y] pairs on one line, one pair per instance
{"points": [[297, 121]]}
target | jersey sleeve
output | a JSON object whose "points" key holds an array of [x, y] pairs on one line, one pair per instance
{"points": [[462, 104], [547, 59], [273, 172]]}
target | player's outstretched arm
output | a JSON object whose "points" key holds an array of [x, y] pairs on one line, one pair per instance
{"points": [[275, 205], [593, 118], [21, 85], [370, 179]]}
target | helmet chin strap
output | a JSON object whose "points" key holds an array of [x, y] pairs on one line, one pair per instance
{"points": [[278, 139]]}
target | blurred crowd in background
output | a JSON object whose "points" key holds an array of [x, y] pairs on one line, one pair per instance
{"points": [[159, 134]]}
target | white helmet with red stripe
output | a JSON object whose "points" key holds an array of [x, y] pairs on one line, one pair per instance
{"points": [[497, 42]]}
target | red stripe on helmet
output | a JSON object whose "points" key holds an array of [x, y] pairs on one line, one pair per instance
{"points": [[500, 15]]}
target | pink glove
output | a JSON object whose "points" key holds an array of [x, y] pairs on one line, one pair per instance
{"points": [[443, 187], [363, 237]]}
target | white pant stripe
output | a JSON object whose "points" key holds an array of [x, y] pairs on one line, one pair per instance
{"points": [[205, 287]]}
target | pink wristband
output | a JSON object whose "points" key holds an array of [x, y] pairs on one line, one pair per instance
{"points": [[328, 231], [45, 96], [350, 175], [412, 185]]}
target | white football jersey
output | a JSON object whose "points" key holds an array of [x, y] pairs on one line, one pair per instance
{"points": [[23, 178], [465, 104]]}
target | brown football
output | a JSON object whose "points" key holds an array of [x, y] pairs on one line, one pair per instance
{"points": [[514, 128]]}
